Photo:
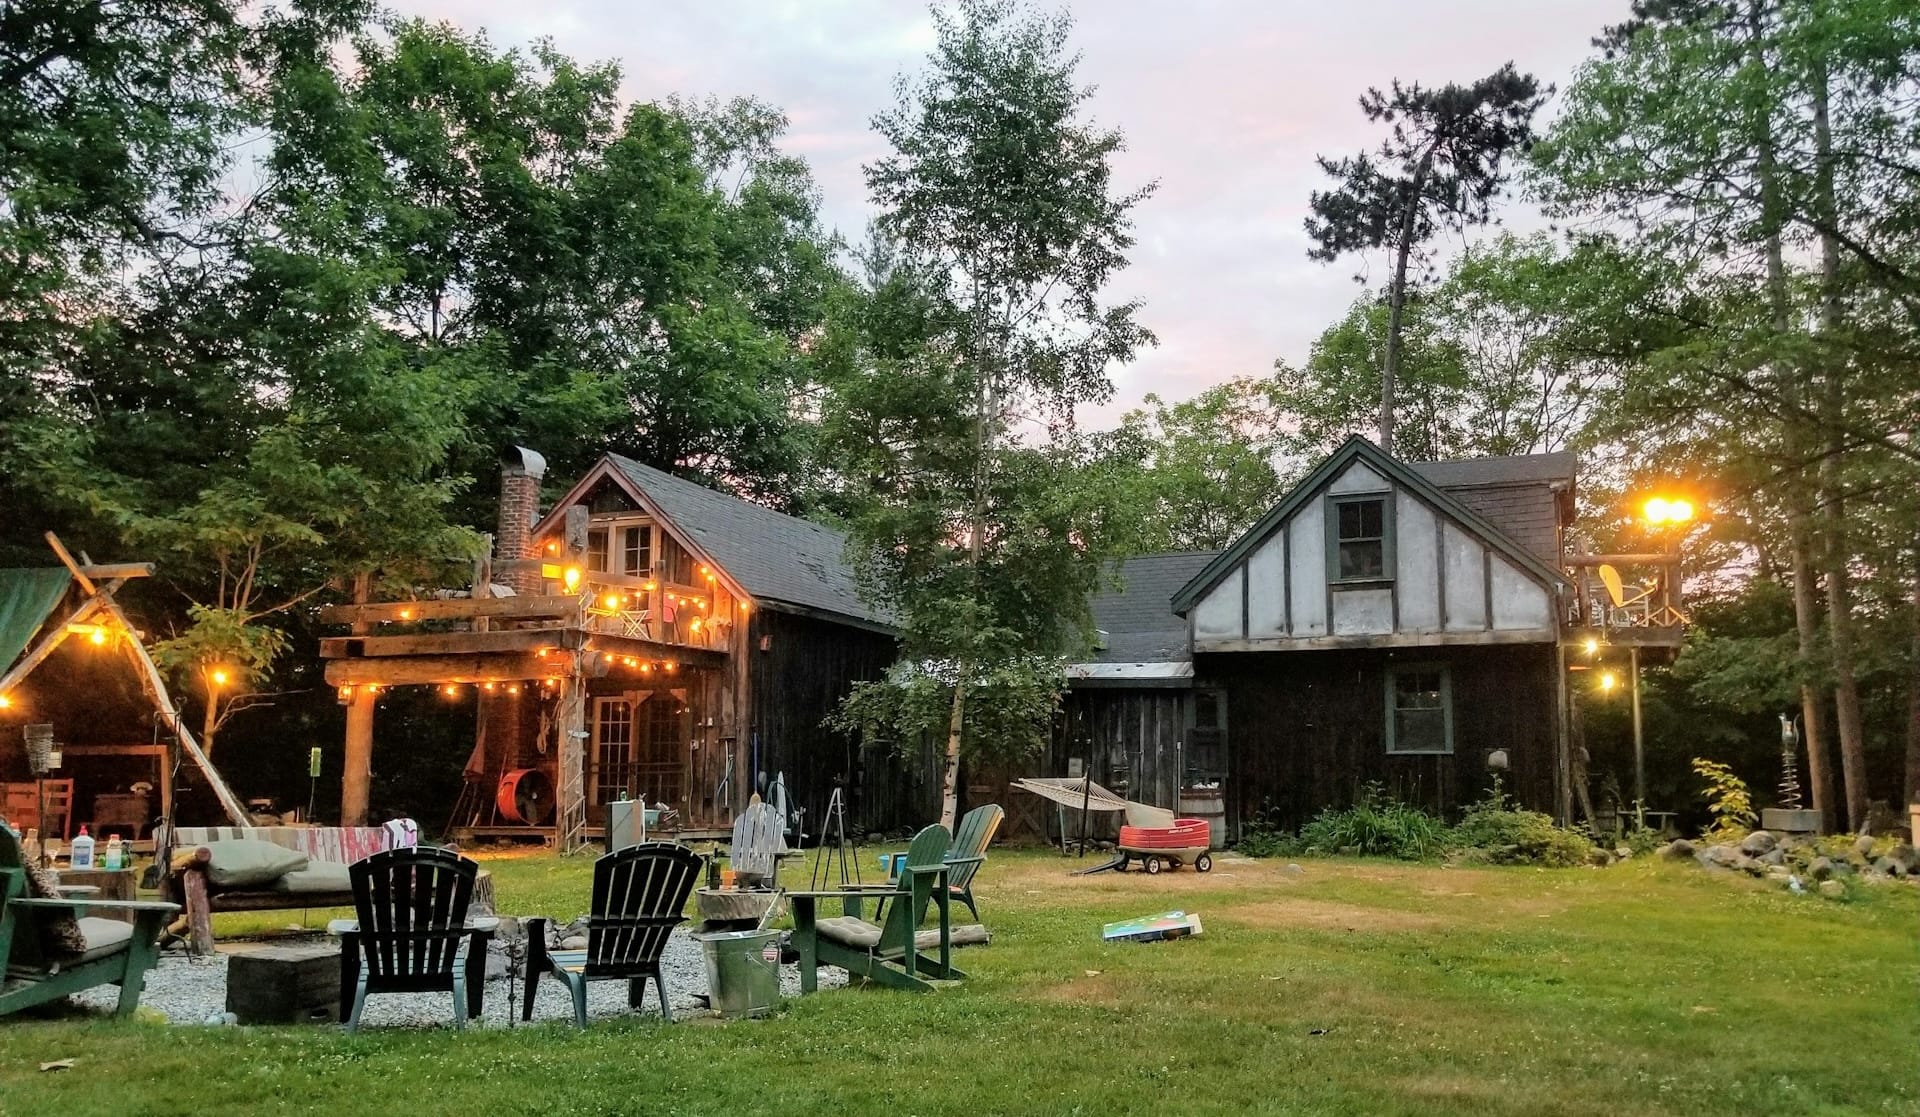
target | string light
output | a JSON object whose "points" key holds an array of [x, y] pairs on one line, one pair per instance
{"points": [[570, 577], [6, 701], [513, 689], [99, 637], [450, 690], [219, 676], [406, 614], [1592, 646], [489, 686]]}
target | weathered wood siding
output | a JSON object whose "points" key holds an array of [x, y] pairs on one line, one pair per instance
{"points": [[806, 667], [1308, 730], [1447, 585]]}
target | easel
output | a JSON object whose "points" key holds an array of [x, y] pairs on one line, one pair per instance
{"points": [[834, 827]]}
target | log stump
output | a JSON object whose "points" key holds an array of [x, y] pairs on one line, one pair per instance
{"points": [[285, 985]]}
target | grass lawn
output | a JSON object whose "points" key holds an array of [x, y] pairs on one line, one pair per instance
{"points": [[1357, 987]]}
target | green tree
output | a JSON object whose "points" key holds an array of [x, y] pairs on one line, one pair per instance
{"points": [[953, 422], [1443, 161], [1200, 471], [1336, 392]]}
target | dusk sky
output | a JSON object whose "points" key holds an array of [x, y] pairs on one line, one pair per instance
{"points": [[1225, 103]]}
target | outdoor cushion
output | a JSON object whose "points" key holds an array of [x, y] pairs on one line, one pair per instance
{"points": [[104, 936], [60, 933], [250, 863], [318, 876], [858, 933]]}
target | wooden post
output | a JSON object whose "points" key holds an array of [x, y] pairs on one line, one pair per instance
{"points": [[1639, 744], [356, 770], [1562, 719], [571, 817]]}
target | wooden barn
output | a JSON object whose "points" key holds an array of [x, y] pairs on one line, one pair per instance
{"points": [[643, 637], [1387, 622]]}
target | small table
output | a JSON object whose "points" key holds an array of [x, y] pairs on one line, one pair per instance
{"points": [[105, 884]]}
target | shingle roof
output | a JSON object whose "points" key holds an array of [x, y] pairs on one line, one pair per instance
{"points": [[1524, 469], [779, 559], [1139, 622]]}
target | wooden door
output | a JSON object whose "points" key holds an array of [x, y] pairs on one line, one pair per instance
{"points": [[610, 763]]}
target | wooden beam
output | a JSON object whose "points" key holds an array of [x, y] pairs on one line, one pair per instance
{"points": [[452, 608], [356, 765], [1396, 640], [109, 571], [66, 557], [156, 689], [451, 643], [429, 669], [47, 645], [604, 644]]}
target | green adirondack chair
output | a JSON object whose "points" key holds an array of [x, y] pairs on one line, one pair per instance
{"points": [[977, 828], [886, 953], [117, 953]]}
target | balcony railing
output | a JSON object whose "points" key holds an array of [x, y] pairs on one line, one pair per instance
{"points": [[663, 612]]}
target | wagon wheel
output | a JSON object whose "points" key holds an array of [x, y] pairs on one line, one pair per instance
{"points": [[1203, 863], [1152, 863]]}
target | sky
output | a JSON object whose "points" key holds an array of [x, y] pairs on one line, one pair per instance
{"points": [[1224, 104]]}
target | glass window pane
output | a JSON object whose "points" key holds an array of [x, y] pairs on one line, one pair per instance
{"points": [[1419, 731], [1362, 560], [1349, 521], [596, 550], [1371, 517]]}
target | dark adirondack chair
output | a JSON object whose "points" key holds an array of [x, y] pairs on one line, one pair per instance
{"points": [[413, 934], [886, 953], [639, 897], [970, 841], [117, 953]]}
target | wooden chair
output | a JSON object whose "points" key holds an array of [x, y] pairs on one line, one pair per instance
{"points": [[887, 953], [639, 897], [45, 805], [117, 953], [413, 934], [970, 841]]}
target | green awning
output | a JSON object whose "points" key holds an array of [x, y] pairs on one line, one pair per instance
{"points": [[27, 597]]}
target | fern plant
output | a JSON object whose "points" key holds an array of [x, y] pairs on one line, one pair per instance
{"points": [[1727, 798]]}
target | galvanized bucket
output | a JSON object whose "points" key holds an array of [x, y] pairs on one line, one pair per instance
{"points": [[743, 971]]}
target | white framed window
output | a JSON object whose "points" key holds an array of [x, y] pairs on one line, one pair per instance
{"points": [[1419, 709], [636, 550]]}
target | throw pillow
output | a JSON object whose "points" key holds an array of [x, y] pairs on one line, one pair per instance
{"points": [[250, 863], [60, 935]]}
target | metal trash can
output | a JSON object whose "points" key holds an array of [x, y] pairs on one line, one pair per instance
{"points": [[743, 971]]}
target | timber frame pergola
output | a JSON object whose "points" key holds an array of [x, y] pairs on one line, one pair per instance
{"points": [[481, 640], [98, 583]]}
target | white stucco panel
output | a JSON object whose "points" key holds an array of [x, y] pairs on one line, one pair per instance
{"points": [[1466, 590], [1358, 478], [1518, 601], [1307, 540], [1267, 588], [1416, 564], [1217, 616], [1362, 612]]}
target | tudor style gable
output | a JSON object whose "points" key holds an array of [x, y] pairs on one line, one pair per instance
{"points": [[1366, 552]]}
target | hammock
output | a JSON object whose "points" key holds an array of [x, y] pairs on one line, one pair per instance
{"points": [[1081, 793]]}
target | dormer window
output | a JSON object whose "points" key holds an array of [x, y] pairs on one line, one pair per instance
{"points": [[1360, 544]]}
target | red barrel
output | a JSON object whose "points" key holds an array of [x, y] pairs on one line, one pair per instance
{"points": [[525, 796]]}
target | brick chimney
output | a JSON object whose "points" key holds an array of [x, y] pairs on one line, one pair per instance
{"points": [[520, 472]]}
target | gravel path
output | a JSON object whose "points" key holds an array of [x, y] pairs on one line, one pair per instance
{"points": [[193, 990]]}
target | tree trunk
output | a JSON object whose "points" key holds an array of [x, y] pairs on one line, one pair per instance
{"points": [[950, 777], [1835, 552], [210, 723], [1397, 302], [1805, 610], [1913, 687]]}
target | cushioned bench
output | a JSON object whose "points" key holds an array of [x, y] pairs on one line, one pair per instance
{"points": [[315, 878]]}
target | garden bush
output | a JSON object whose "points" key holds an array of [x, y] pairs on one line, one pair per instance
{"points": [[1376, 826], [1494, 831]]}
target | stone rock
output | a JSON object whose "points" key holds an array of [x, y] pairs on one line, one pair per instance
{"points": [[1599, 858], [1677, 849], [1887, 866], [1863, 845], [1724, 857], [1905, 856], [1757, 843], [1749, 866], [1293, 870], [1820, 868], [1833, 889], [1774, 856], [574, 942], [1778, 872], [1622, 852]]}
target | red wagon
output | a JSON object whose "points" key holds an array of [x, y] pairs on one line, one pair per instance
{"points": [[1159, 847]]}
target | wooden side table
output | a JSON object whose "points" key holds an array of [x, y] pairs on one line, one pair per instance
{"points": [[111, 884]]}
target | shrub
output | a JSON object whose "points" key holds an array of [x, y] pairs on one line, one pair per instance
{"points": [[1495, 831], [1727, 797], [1263, 836], [1376, 826]]}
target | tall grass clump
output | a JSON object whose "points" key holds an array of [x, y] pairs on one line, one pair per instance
{"points": [[1376, 826]]}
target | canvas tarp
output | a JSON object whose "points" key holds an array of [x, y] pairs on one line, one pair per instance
{"points": [[26, 599]]}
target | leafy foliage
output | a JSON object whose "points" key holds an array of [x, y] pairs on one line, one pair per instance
{"points": [[1727, 797], [1494, 830], [1376, 826]]}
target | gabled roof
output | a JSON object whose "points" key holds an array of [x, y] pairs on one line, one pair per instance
{"points": [[1359, 449], [1138, 625], [776, 559]]}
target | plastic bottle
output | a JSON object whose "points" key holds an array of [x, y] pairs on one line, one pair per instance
{"points": [[80, 853], [116, 855]]}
